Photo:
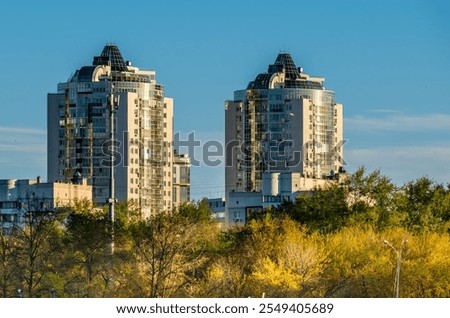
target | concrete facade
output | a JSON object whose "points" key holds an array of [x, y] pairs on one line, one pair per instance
{"points": [[217, 206], [285, 121], [181, 178], [79, 132], [20, 196]]}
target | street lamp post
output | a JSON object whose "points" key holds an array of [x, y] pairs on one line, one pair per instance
{"points": [[399, 262], [113, 105]]}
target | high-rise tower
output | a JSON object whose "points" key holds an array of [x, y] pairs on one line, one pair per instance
{"points": [[285, 121], [79, 132]]}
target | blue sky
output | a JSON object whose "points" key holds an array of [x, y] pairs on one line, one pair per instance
{"points": [[387, 61]]}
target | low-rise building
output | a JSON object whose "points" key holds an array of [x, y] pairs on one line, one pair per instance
{"points": [[217, 206], [276, 188], [32, 195], [241, 206]]}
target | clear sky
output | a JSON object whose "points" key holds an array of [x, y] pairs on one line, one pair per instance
{"points": [[387, 61]]}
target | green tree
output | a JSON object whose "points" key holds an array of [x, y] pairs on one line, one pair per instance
{"points": [[426, 204], [195, 211], [87, 239], [324, 210], [371, 199]]}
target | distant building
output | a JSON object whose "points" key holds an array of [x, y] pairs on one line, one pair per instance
{"points": [[20, 196], [79, 132], [241, 206], [181, 178], [276, 188], [217, 206]]}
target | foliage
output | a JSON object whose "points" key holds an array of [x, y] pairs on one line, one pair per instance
{"points": [[87, 238], [328, 243], [7, 268], [426, 204], [34, 247], [325, 211], [270, 257]]}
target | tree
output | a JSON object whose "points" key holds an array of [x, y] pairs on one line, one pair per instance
{"points": [[288, 261], [357, 264], [7, 269], [226, 276], [371, 199], [168, 250], [323, 210], [195, 211], [425, 268], [36, 242], [426, 204], [271, 256], [88, 259]]}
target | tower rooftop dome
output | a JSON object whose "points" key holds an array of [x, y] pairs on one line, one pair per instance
{"points": [[111, 56], [293, 76]]}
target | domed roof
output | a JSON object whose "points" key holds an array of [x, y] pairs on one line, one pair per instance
{"points": [[293, 79], [111, 56]]}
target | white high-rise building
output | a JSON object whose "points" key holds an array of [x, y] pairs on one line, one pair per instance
{"points": [[79, 132], [284, 121]]}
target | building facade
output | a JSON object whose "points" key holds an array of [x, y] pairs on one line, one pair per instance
{"points": [[79, 132], [277, 187], [217, 206], [32, 195], [284, 121], [181, 178]]}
